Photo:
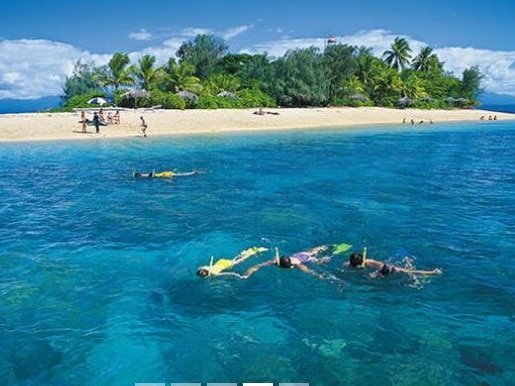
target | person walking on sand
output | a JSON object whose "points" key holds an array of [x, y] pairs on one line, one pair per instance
{"points": [[143, 126], [96, 122]]}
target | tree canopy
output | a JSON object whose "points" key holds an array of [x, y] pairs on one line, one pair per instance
{"points": [[339, 75]]}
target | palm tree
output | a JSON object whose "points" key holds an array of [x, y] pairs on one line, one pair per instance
{"points": [[411, 86], [180, 77], [146, 74], [399, 55], [426, 60], [119, 72], [221, 82]]}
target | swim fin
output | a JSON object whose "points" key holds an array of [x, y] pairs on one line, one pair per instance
{"points": [[341, 248]]}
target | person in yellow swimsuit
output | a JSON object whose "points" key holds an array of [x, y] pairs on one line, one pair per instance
{"points": [[222, 265], [165, 174]]}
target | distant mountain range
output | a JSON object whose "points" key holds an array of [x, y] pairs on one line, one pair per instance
{"points": [[9, 106], [489, 101], [497, 99], [497, 102]]}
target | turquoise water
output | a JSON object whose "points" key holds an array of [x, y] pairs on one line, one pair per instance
{"points": [[97, 270]]}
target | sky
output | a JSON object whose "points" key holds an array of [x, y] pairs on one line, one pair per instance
{"points": [[41, 40]]}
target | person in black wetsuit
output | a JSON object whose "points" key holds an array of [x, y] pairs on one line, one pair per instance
{"points": [[358, 260]]}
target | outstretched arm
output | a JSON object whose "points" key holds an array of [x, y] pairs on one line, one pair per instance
{"points": [[182, 174], [436, 271], [323, 276], [231, 274], [305, 269], [256, 268]]}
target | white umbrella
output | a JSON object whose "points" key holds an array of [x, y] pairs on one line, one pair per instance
{"points": [[97, 101]]}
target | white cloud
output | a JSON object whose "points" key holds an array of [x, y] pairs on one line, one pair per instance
{"points": [[193, 32], [496, 66], [142, 35], [37, 68], [233, 32]]}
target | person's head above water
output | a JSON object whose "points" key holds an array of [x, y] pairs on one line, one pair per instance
{"points": [[285, 262], [203, 271], [355, 259]]}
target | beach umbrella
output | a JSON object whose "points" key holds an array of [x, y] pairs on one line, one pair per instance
{"points": [[359, 97], [97, 101], [188, 95], [227, 94], [405, 101], [136, 94]]}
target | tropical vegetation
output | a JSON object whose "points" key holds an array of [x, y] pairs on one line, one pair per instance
{"points": [[204, 74]]}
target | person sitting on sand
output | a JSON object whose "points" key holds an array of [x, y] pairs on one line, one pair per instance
{"points": [[358, 260], [101, 117], [222, 265], [316, 255]]}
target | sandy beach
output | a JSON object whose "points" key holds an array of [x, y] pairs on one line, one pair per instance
{"points": [[63, 126]]}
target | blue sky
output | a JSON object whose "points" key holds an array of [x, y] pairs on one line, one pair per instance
{"points": [[40, 41]]}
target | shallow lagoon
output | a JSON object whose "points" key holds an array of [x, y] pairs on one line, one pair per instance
{"points": [[98, 284]]}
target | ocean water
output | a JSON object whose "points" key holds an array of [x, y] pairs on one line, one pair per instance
{"points": [[97, 269]]}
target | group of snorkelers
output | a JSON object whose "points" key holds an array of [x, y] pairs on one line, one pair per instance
{"points": [[317, 255]]}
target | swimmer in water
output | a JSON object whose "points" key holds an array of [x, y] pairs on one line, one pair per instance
{"points": [[165, 174], [358, 260], [222, 265], [317, 255]]}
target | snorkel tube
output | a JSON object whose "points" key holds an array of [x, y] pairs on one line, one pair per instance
{"points": [[364, 257], [277, 258], [210, 266]]}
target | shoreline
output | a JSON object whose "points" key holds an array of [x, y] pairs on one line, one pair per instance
{"points": [[43, 126]]}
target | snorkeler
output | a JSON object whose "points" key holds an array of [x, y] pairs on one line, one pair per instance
{"points": [[218, 268], [316, 255], [362, 261], [165, 174]]}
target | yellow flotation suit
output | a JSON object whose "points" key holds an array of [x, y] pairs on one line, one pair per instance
{"points": [[167, 174]]}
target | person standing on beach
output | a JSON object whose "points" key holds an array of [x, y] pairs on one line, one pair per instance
{"points": [[143, 126], [84, 121], [96, 122]]}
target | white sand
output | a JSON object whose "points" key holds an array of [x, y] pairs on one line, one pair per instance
{"points": [[52, 126]]}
